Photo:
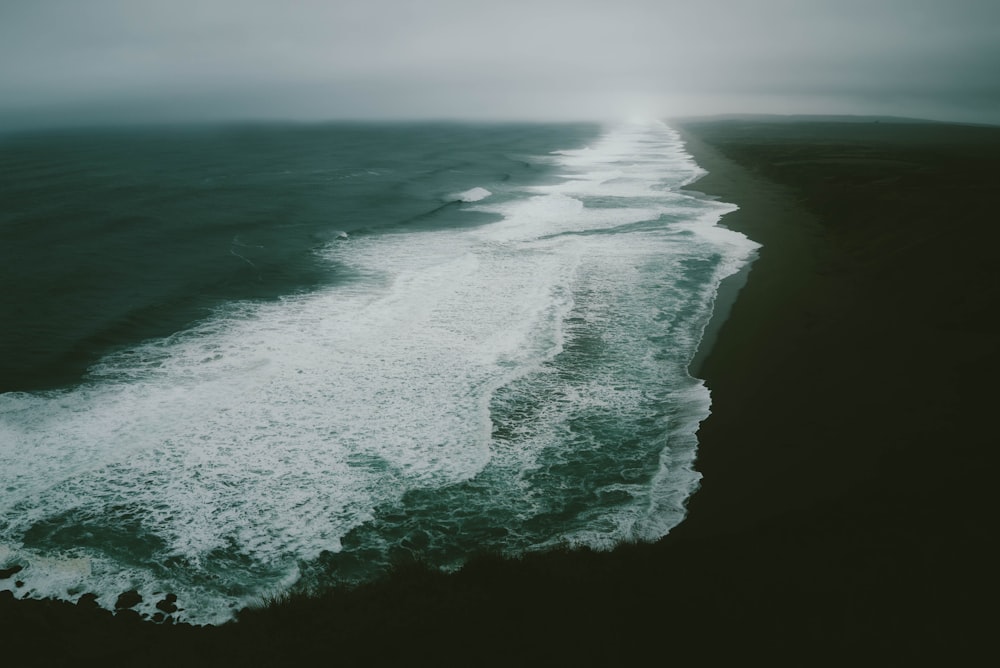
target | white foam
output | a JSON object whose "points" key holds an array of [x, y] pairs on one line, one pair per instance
{"points": [[259, 439], [472, 195], [247, 431]]}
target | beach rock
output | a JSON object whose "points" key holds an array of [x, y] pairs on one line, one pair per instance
{"points": [[8, 572], [168, 603], [129, 599], [88, 601]]}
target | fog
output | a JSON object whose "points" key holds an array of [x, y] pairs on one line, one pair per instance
{"points": [[65, 62]]}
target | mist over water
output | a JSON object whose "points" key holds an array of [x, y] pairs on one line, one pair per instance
{"points": [[428, 341]]}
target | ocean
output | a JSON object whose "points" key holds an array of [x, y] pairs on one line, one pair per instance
{"points": [[242, 361]]}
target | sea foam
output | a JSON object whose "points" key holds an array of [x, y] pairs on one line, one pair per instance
{"points": [[513, 385], [471, 195]]}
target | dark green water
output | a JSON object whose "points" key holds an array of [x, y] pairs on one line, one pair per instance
{"points": [[108, 238]]}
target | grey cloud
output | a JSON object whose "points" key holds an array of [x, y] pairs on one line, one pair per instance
{"points": [[185, 59]]}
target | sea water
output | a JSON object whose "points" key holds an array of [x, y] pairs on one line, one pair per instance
{"points": [[242, 361]]}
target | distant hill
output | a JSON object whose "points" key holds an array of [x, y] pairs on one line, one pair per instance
{"points": [[809, 118]]}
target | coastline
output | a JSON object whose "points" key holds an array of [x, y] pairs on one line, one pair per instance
{"points": [[845, 509], [846, 455], [725, 297], [830, 365], [761, 316]]}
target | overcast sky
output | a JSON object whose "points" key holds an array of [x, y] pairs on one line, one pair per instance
{"points": [[84, 61]]}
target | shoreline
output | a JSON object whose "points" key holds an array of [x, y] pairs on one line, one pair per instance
{"points": [[845, 509], [758, 306], [725, 297], [846, 460], [848, 215]]}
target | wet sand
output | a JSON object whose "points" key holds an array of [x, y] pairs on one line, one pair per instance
{"points": [[848, 455], [846, 509], [860, 350]]}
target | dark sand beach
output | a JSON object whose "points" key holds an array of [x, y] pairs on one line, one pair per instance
{"points": [[849, 462]]}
